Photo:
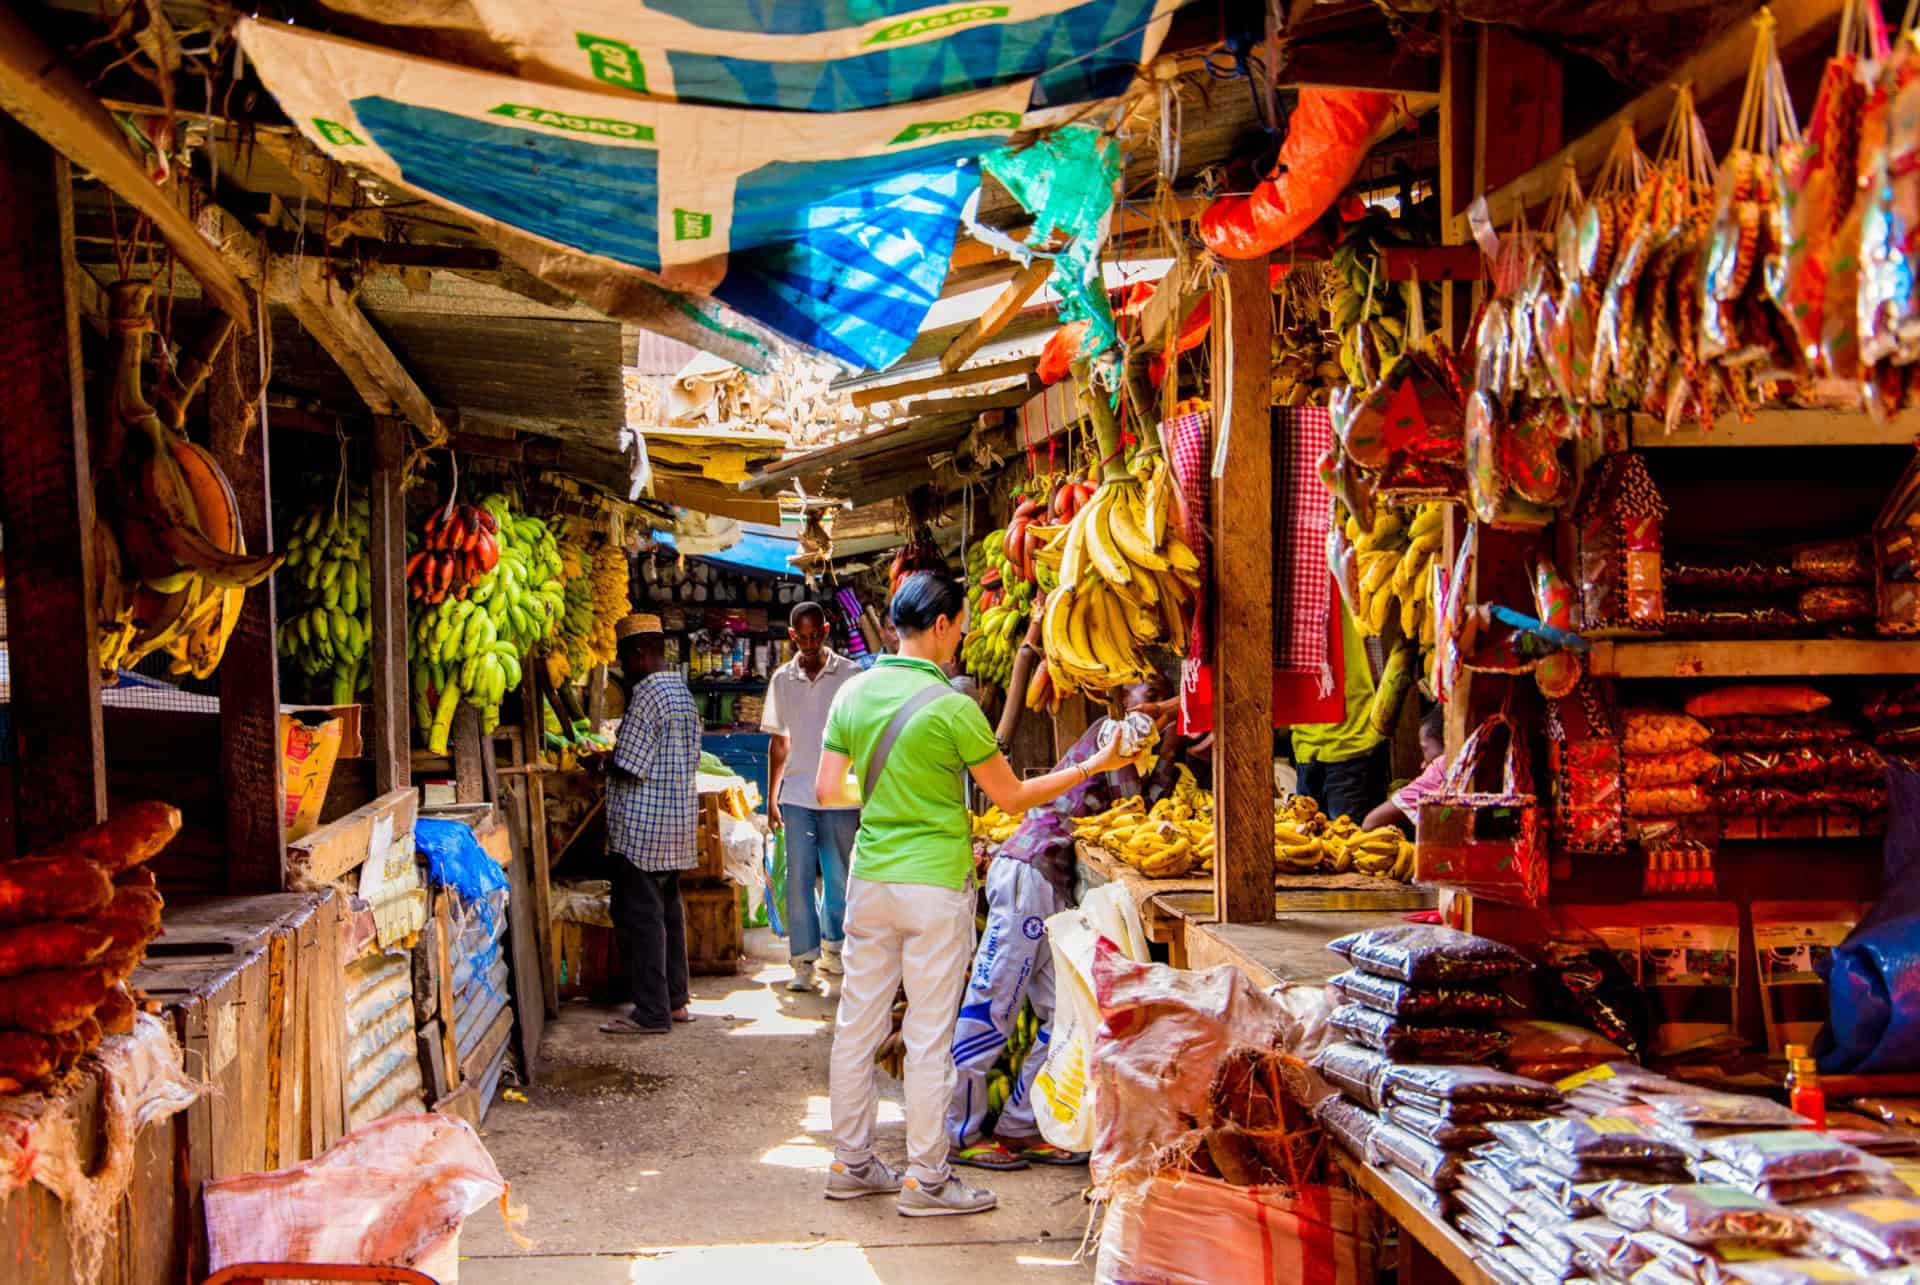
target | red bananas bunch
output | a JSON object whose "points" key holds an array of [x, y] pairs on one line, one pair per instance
{"points": [[458, 545]]}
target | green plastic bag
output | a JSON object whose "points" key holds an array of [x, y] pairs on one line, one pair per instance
{"points": [[776, 902]]}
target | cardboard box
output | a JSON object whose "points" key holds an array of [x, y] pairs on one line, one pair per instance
{"points": [[310, 744]]}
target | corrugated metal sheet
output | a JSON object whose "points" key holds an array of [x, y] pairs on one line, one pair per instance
{"points": [[383, 1062], [480, 985]]}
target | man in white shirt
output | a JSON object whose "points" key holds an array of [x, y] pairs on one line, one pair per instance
{"points": [[819, 840]]}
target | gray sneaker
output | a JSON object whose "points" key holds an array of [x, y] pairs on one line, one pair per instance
{"points": [[949, 1197], [802, 979], [848, 1182]]}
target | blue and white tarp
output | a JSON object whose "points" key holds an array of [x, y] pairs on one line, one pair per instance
{"points": [[832, 228]]}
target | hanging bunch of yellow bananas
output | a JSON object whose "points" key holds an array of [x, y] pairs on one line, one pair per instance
{"points": [[1392, 561], [1126, 584], [326, 623], [170, 564], [996, 827], [611, 604], [573, 654], [1306, 841]]}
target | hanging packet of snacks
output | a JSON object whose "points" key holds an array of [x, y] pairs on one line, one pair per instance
{"points": [[1817, 181], [1660, 371], [1616, 237], [1618, 548], [1408, 425], [1565, 318], [1744, 338], [1888, 302]]}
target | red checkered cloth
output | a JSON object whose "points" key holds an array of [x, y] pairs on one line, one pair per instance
{"points": [[1188, 439], [1302, 514]]}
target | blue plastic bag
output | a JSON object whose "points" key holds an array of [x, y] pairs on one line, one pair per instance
{"points": [[776, 899], [1873, 977]]}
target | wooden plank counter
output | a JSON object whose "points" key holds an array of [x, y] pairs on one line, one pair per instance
{"points": [[1293, 948], [1430, 1250]]}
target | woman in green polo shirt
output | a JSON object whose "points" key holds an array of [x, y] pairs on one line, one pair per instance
{"points": [[910, 899]]}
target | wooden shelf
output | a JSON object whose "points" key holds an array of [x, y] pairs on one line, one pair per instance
{"points": [[1390, 1191], [1798, 658], [1785, 428]]}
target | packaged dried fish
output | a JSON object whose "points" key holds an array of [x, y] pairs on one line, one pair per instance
{"points": [[1768, 1155], [1359, 1072]]}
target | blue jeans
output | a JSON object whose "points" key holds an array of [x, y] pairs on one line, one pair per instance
{"points": [[819, 846]]}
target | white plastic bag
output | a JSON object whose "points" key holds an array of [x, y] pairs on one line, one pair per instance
{"points": [[1063, 1090]]}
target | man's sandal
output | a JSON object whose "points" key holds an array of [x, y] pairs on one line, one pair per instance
{"points": [[988, 1155], [1046, 1153]]}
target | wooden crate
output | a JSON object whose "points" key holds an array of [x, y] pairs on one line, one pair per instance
{"points": [[712, 865], [714, 937], [587, 963]]}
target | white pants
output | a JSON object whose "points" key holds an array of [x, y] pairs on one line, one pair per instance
{"points": [[1014, 962], [924, 935]]}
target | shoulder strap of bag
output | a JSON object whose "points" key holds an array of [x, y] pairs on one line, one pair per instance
{"points": [[877, 761]]}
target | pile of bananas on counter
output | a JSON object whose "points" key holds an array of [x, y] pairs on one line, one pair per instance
{"points": [[996, 827], [1392, 561], [1305, 841], [1127, 583], [1165, 841], [327, 621]]}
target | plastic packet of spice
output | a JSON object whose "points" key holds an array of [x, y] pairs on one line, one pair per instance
{"points": [[1790, 1271], [1713, 1213], [1771, 1155], [1677, 1262], [1551, 1254], [1573, 1197], [1885, 1229], [1428, 955], [1437, 1129], [1468, 1084], [1423, 1003], [1479, 1230], [1359, 1072], [1418, 1158], [1705, 1108], [1471, 1112], [1477, 1201], [1491, 1175], [1603, 1248], [1405, 1041], [1797, 1191], [1566, 1145], [1351, 1125]]}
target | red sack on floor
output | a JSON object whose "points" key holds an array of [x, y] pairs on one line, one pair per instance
{"points": [[1194, 1230]]}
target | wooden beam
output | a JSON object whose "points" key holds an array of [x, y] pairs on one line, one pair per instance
{"points": [[1434, 263], [1459, 93], [1719, 66], [387, 550], [1242, 575], [533, 727], [1017, 368], [998, 314], [46, 501], [336, 322], [1006, 399], [1359, 64], [42, 92], [1521, 90], [704, 495], [250, 672]]}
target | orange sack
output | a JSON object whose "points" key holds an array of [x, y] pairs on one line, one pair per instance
{"points": [[1327, 137], [1748, 700]]}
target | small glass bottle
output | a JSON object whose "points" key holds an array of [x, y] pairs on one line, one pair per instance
{"points": [[1804, 1093]]}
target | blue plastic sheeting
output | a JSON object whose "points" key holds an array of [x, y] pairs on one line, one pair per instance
{"points": [[603, 200], [852, 254], [755, 552], [1111, 33], [786, 17]]}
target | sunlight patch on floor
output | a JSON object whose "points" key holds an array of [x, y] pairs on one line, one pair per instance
{"points": [[822, 1263], [799, 1153], [819, 1117]]}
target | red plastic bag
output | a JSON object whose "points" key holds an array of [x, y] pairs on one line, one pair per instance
{"points": [[1194, 1230], [1062, 350], [1228, 229]]}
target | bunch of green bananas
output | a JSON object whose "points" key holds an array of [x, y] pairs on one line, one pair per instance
{"points": [[577, 623], [1364, 311], [471, 647], [994, 636], [1020, 1046], [327, 588]]}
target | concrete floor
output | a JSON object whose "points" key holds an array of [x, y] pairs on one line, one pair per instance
{"points": [[700, 1157]]}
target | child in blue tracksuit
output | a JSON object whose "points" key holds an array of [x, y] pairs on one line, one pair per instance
{"points": [[1031, 878]]}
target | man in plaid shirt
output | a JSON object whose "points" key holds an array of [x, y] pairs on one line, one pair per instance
{"points": [[653, 819]]}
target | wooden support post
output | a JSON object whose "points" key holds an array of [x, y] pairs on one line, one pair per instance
{"points": [[46, 504], [597, 696], [1243, 596], [533, 727], [250, 671], [392, 712], [469, 779], [1459, 90]]}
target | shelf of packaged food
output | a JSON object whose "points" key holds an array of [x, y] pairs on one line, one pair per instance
{"points": [[1786, 658], [1818, 427]]}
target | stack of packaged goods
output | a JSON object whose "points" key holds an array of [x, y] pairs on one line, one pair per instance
{"points": [[1893, 718], [1824, 588], [1788, 766], [1419, 1000], [1669, 770]]}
